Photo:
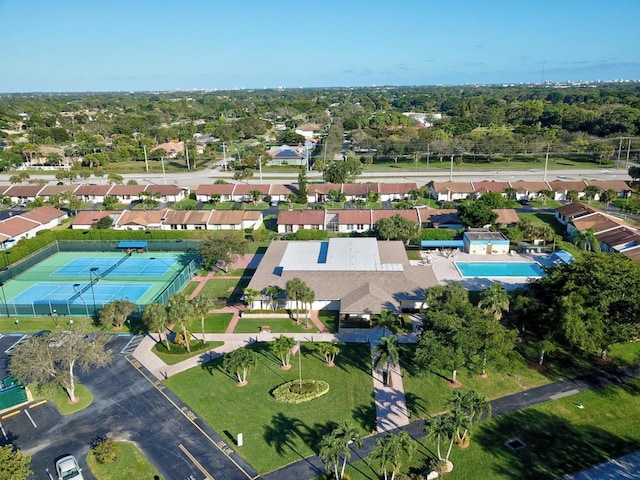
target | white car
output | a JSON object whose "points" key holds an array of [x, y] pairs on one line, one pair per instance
{"points": [[68, 469]]}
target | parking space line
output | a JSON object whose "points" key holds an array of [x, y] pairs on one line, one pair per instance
{"points": [[34, 405], [155, 384], [22, 339], [3, 432], [11, 414], [195, 462], [34, 423]]}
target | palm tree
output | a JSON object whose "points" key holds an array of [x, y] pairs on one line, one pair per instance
{"points": [[273, 291], [392, 449], [255, 195], [494, 300], [387, 321], [544, 195], [249, 296], [330, 351], [572, 195], [155, 318], [330, 451], [337, 444], [307, 297], [586, 240], [179, 312], [386, 353], [608, 196], [201, 305], [471, 404], [590, 192], [281, 347], [438, 429], [295, 286]]}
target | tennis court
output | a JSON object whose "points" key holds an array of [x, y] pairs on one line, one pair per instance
{"points": [[79, 283]]}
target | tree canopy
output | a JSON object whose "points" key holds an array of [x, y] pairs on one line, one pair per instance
{"points": [[222, 248]]}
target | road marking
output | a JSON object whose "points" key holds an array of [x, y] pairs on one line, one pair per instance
{"points": [[3, 432], [128, 348], [34, 423], [567, 393], [195, 462], [12, 414], [34, 405], [153, 382], [22, 339]]}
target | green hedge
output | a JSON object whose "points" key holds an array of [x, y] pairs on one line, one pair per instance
{"points": [[310, 389], [312, 234]]}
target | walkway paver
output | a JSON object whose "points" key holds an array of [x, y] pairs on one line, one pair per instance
{"points": [[391, 405]]}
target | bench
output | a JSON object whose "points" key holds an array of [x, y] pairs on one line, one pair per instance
{"points": [[265, 329]]}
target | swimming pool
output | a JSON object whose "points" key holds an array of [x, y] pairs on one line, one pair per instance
{"points": [[498, 269]]}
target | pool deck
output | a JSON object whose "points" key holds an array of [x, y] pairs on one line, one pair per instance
{"points": [[446, 272]]}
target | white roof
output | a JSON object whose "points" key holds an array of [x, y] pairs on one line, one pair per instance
{"points": [[337, 254]]}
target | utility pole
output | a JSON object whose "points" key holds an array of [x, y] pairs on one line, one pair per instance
{"points": [[260, 167], [546, 162], [186, 149], [146, 160], [626, 163], [224, 156], [451, 171], [619, 151], [164, 177], [428, 154]]}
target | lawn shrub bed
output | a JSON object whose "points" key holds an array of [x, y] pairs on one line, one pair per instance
{"points": [[293, 392]]}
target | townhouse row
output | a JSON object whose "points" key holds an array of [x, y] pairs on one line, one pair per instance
{"points": [[316, 192]]}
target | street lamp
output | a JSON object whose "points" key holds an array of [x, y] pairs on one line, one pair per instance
{"points": [[92, 271], [4, 299]]}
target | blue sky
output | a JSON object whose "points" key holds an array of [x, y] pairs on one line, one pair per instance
{"points": [[114, 45]]}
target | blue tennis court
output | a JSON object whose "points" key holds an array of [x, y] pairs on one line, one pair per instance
{"points": [[124, 267], [77, 294]]}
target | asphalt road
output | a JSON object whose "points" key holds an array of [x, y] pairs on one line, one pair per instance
{"points": [[126, 406], [191, 179]]}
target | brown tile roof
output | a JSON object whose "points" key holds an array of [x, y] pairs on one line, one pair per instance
{"points": [[597, 222], [14, 226], [93, 190], [359, 188], [575, 209], [438, 217], [455, 187], [44, 214], [131, 190], [301, 217], [216, 189], [4, 188], [163, 189], [24, 190], [615, 185], [506, 216], [49, 190], [187, 217], [232, 217], [490, 186], [619, 236], [525, 186], [408, 214], [632, 253], [141, 218], [244, 189], [323, 188], [87, 217], [400, 187], [357, 217], [565, 186], [278, 189]]}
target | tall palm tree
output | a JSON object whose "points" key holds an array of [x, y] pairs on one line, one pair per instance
{"points": [[387, 321], [307, 297], [295, 286], [201, 305], [281, 347], [179, 312], [494, 300], [155, 318], [470, 404], [441, 428], [393, 449], [273, 291], [337, 444], [330, 351], [386, 353], [249, 296]]}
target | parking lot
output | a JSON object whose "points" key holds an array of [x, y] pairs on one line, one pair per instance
{"points": [[127, 405]]}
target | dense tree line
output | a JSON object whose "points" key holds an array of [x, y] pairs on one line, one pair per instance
{"points": [[478, 122]]}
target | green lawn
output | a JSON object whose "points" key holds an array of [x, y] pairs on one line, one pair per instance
{"points": [[276, 434], [131, 463], [213, 323], [278, 325], [559, 437], [178, 353], [224, 290], [60, 398], [36, 324], [330, 320]]}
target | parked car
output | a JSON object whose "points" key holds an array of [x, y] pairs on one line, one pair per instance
{"points": [[523, 201], [274, 203], [68, 468]]}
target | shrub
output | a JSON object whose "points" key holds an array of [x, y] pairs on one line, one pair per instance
{"points": [[292, 392], [180, 339], [104, 449], [311, 234]]}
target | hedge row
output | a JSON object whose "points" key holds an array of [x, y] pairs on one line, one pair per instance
{"points": [[284, 392]]}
